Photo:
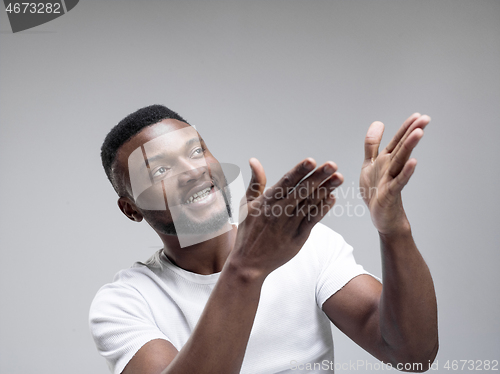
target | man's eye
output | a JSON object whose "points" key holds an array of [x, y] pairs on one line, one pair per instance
{"points": [[161, 171], [198, 151]]}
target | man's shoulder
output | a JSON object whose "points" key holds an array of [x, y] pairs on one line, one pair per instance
{"points": [[321, 247], [323, 236], [127, 282], [320, 229], [129, 276]]}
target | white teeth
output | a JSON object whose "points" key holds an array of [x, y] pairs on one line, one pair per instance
{"points": [[200, 195]]}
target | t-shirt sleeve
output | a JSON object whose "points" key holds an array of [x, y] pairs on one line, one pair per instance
{"points": [[338, 265], [121, 323]]}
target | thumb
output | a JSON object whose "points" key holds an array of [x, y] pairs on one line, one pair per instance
{"points": [[373, 139], [258, 181]]}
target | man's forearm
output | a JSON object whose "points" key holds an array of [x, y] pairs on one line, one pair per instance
{"points": [[218, 342], [264, 243], [408, 309]]}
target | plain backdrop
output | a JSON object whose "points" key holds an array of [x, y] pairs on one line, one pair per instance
{"points": [[277, 80]]}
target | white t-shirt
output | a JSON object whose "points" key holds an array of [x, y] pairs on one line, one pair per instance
{"points": [[163, 301]]}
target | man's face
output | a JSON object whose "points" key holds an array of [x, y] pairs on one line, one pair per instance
{"points": [[174, 180]]}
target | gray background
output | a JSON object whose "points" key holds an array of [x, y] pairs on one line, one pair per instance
{"points": [[276, 80]]}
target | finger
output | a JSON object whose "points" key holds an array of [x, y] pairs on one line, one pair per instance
{"points": [[420, 122], [401, 132], [373, 139], [281, 189], [401, 157], [258, 181], [402, 179], [309, 186], [322, 191], [316, 214]]}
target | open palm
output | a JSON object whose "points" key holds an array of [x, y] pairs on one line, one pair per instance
{"points": [[384, 174]]}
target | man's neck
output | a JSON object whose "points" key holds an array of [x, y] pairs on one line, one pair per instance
{"points": [[205, 258]]}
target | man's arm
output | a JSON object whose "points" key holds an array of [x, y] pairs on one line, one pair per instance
{"points": [[396, 322], [218, 342], [264, 242]]}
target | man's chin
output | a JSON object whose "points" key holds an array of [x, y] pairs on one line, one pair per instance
{"points": [[184, 226]]}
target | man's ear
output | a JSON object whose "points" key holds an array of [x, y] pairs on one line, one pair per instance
{"points": [[128, 207]]}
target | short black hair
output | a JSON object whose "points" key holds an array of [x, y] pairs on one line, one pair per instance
{"points": [[124, 131]]}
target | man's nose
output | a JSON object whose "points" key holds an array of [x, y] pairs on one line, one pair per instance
{"points": [[192, 173]]}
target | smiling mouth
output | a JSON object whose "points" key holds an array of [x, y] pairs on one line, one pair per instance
{"points": [[199, 196]]}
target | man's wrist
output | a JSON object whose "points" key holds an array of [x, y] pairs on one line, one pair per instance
{"points": [[401, 231], [241, 274]]}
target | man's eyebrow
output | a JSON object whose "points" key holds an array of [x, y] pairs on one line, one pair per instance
{"points": [[193, 140], [150, 160]]}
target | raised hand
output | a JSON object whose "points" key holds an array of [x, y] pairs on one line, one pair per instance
{"points": [[280, 219], [384, 174]]}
